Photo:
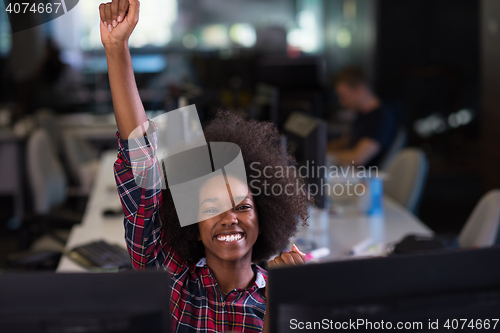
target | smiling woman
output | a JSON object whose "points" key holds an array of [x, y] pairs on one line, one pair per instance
{"points": [[216, 285], [278, 215], [216, 254]]}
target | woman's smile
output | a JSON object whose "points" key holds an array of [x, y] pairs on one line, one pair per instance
{"points": [[230, 238], [227, 235]]}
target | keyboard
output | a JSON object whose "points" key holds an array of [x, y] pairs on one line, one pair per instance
{"points": [[100, 254]]}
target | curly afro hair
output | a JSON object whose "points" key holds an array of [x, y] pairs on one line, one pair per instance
{"points": [[279, 215]]}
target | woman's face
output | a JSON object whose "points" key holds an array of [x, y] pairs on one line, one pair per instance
{"points": [[227, 235]]}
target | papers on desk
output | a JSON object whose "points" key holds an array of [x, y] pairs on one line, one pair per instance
{"points": [[368, 248], [346, 235]]}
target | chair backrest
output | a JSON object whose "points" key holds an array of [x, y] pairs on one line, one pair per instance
{"points": [[397, 144], [481, 228], [81, 159], [406, 176], [45, 173], [46, 119]]}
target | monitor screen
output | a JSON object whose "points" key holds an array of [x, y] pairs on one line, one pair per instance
{"points": [[298, 73], [306, 140], [439, 292], [85, 302]]}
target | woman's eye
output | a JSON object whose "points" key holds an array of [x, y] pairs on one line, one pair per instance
{"points": [[211, 211], [243, 207]]}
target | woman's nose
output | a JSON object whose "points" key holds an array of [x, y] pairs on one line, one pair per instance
{"points": [[229, 217]]}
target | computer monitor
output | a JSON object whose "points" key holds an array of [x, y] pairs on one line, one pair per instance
{"points": [[306, 140], [292, 73], [85, 302], [434, 292], [299, 83]]}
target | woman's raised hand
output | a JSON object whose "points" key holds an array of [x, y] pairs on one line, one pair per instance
{"points": [[118, 20]]}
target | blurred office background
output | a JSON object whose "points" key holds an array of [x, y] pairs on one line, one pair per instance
{"points": [[435, 59]]}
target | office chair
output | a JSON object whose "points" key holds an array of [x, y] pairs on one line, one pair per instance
{"points": [[482, 226], [80, 160], [49, 221], [397, 144], [481, 230], [407, 174]]}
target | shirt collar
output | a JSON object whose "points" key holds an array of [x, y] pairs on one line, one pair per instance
{"points": [[260, 281], [202, 262]]}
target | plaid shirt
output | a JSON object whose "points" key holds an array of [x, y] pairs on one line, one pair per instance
{"points": [[197, 303]]}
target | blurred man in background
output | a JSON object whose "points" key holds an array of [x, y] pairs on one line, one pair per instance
{"points": [[374, 128]]}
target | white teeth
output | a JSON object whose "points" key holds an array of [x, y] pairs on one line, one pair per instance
{"points": [[229, 238]]}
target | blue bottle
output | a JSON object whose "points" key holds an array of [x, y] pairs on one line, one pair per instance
{"points": [[376, 188]]}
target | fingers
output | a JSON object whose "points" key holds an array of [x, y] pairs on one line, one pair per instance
{"points": [[133, 10], [296, 249], [114, 12], [122, 10], [109, 18], [294, 257], [105, 14], [102, 13], [279, 261], [297, 258], [133, 3], [276, 262], [287, 258]]}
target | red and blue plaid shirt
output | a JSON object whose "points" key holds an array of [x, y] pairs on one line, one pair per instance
{"points": [[197, 303]]}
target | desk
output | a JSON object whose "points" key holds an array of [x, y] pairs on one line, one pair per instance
{"points": [[339, 234], [98, 129], [95, 226]]}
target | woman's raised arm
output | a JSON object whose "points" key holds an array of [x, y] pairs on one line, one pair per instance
{"points": [[140, 204], [118, 20]]}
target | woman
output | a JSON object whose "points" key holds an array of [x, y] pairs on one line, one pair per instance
{"points": [[215, 285]]}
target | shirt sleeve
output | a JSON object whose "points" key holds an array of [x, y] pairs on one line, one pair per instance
{"points": [[138, 180]]}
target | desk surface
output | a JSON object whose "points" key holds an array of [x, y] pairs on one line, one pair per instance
{"points": [[341, 234], [338, 233], [95, 226]]}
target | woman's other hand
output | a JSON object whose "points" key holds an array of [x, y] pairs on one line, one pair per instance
{"points": [[294, 257]]}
